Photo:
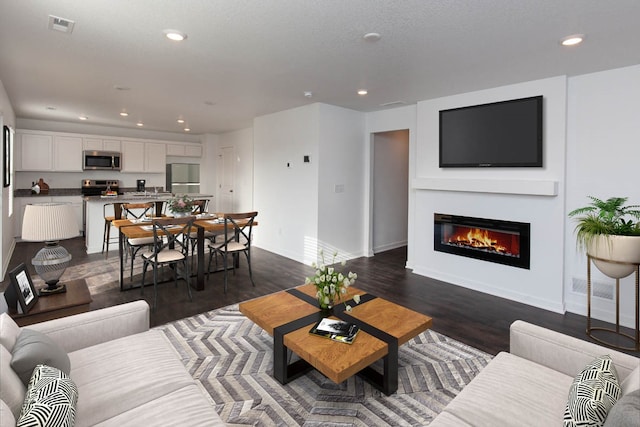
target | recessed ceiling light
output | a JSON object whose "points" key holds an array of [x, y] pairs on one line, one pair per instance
{"points": [[180, 121], [175, 35], [124, 113], [139, 124], [308, 94], [83, 117], [362, 92], [372, 37], [572, 40], [187, 129]]}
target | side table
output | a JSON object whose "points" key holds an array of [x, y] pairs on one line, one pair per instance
{"points": [[76, 300]]}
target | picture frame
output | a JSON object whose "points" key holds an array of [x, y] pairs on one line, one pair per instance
{"points": [[21, 291], [6, 156]]}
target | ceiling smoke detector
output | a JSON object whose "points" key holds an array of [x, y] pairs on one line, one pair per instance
{"points": [[61, 24]]}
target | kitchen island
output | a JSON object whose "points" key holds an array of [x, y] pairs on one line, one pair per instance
{"points": [[94, 214]]}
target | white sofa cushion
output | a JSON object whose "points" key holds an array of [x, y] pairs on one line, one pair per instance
{"points": [[512, 391], [9, 331], [6, 416], [123, 374], [12, 389], [188, 407], [632, 382]]}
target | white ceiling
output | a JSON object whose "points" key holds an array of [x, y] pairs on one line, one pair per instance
{"points": [[253, 57]]}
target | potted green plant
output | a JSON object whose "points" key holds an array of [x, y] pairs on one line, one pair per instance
{"points": [[609, 230]]}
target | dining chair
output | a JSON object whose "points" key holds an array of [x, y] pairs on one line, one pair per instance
{"points": [[237, 238], [136, 211], [110, 212], [200, 206], [170, 246]]}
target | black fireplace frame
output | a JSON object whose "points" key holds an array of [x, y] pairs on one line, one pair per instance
{"points": [[523, 229]]}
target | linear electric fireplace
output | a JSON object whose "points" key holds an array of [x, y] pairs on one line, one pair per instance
{"points": [[503, 242]]}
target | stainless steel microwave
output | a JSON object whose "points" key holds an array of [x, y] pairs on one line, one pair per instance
{"points": [[104, 160]]}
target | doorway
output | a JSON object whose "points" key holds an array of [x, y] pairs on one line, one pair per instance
{"points": [[390, 190]]}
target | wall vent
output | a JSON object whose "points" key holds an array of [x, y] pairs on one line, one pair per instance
{"points": [[600, 289], [61, 24], [393, 104]]}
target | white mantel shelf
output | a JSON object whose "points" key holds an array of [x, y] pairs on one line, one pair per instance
{"points": [[500, 186]]}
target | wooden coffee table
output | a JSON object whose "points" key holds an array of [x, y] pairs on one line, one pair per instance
{"points": [[384, 326], [76, 300]]}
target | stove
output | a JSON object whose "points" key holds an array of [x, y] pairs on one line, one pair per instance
{"points": [[96, 187]]}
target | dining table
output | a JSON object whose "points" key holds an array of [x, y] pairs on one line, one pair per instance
{"points": [[131, 229]]}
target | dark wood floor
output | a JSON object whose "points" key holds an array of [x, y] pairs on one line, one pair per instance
{"points": [[474, 318]]}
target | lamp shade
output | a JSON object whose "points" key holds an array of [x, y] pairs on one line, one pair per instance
{"points": [[49, 222]]}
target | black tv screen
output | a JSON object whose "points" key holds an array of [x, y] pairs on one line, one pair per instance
{"points": [[500, 134]]}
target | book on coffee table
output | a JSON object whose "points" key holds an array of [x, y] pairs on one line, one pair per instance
{"points": [[337, 330]]}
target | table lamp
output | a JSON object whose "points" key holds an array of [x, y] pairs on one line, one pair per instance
{"points": [[49, 223]]}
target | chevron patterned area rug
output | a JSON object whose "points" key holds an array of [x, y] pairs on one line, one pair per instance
{"points": [[231, 358]]}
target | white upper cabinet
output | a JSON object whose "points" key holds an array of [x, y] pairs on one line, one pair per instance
{"points": [[63, 152], [100, 144], [138, 156], [132, 156], [43, 152], [67, 153], [184, 150], [155, 157], [35, 152]]}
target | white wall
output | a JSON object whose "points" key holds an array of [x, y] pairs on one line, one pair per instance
{"points": [[285, 188], [298, 205], [541, 285], [603, 153], [340, 185], [7, 118]]}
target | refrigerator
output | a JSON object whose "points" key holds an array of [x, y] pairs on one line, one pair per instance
{"points": [[183, 178]]}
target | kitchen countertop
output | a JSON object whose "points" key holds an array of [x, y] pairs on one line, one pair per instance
{"points": [[140, 197], [53, 192]]}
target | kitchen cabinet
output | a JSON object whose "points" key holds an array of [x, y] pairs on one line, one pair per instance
{"points": [[132, 156], [140, 156], [35, 152], [67, 153], [100, 144], [46, 152], [155, 157], [184, 150]]}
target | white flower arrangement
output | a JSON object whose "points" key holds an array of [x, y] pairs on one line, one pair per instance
{"points": [[331, 284]]}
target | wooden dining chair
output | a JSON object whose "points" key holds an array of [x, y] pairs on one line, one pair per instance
{"points": [[134, 245], [170, 246], [237, 239]]}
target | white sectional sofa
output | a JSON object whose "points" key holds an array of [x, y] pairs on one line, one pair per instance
{"points": [[529, 386], [125, 373]]}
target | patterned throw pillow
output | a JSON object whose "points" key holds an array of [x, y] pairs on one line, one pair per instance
{"points": [[593, 392], [50, 399]]}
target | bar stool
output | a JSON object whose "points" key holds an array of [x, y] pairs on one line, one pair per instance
{"points": [[116, 208]]}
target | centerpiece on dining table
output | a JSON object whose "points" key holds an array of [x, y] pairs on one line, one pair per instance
{"points": [[331, 284], [181, 205]]}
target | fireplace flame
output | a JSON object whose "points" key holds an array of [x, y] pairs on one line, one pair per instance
{"points": [[479, 239]]}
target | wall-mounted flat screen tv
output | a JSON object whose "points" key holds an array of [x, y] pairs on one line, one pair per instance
{"points": [[500, 134]]}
